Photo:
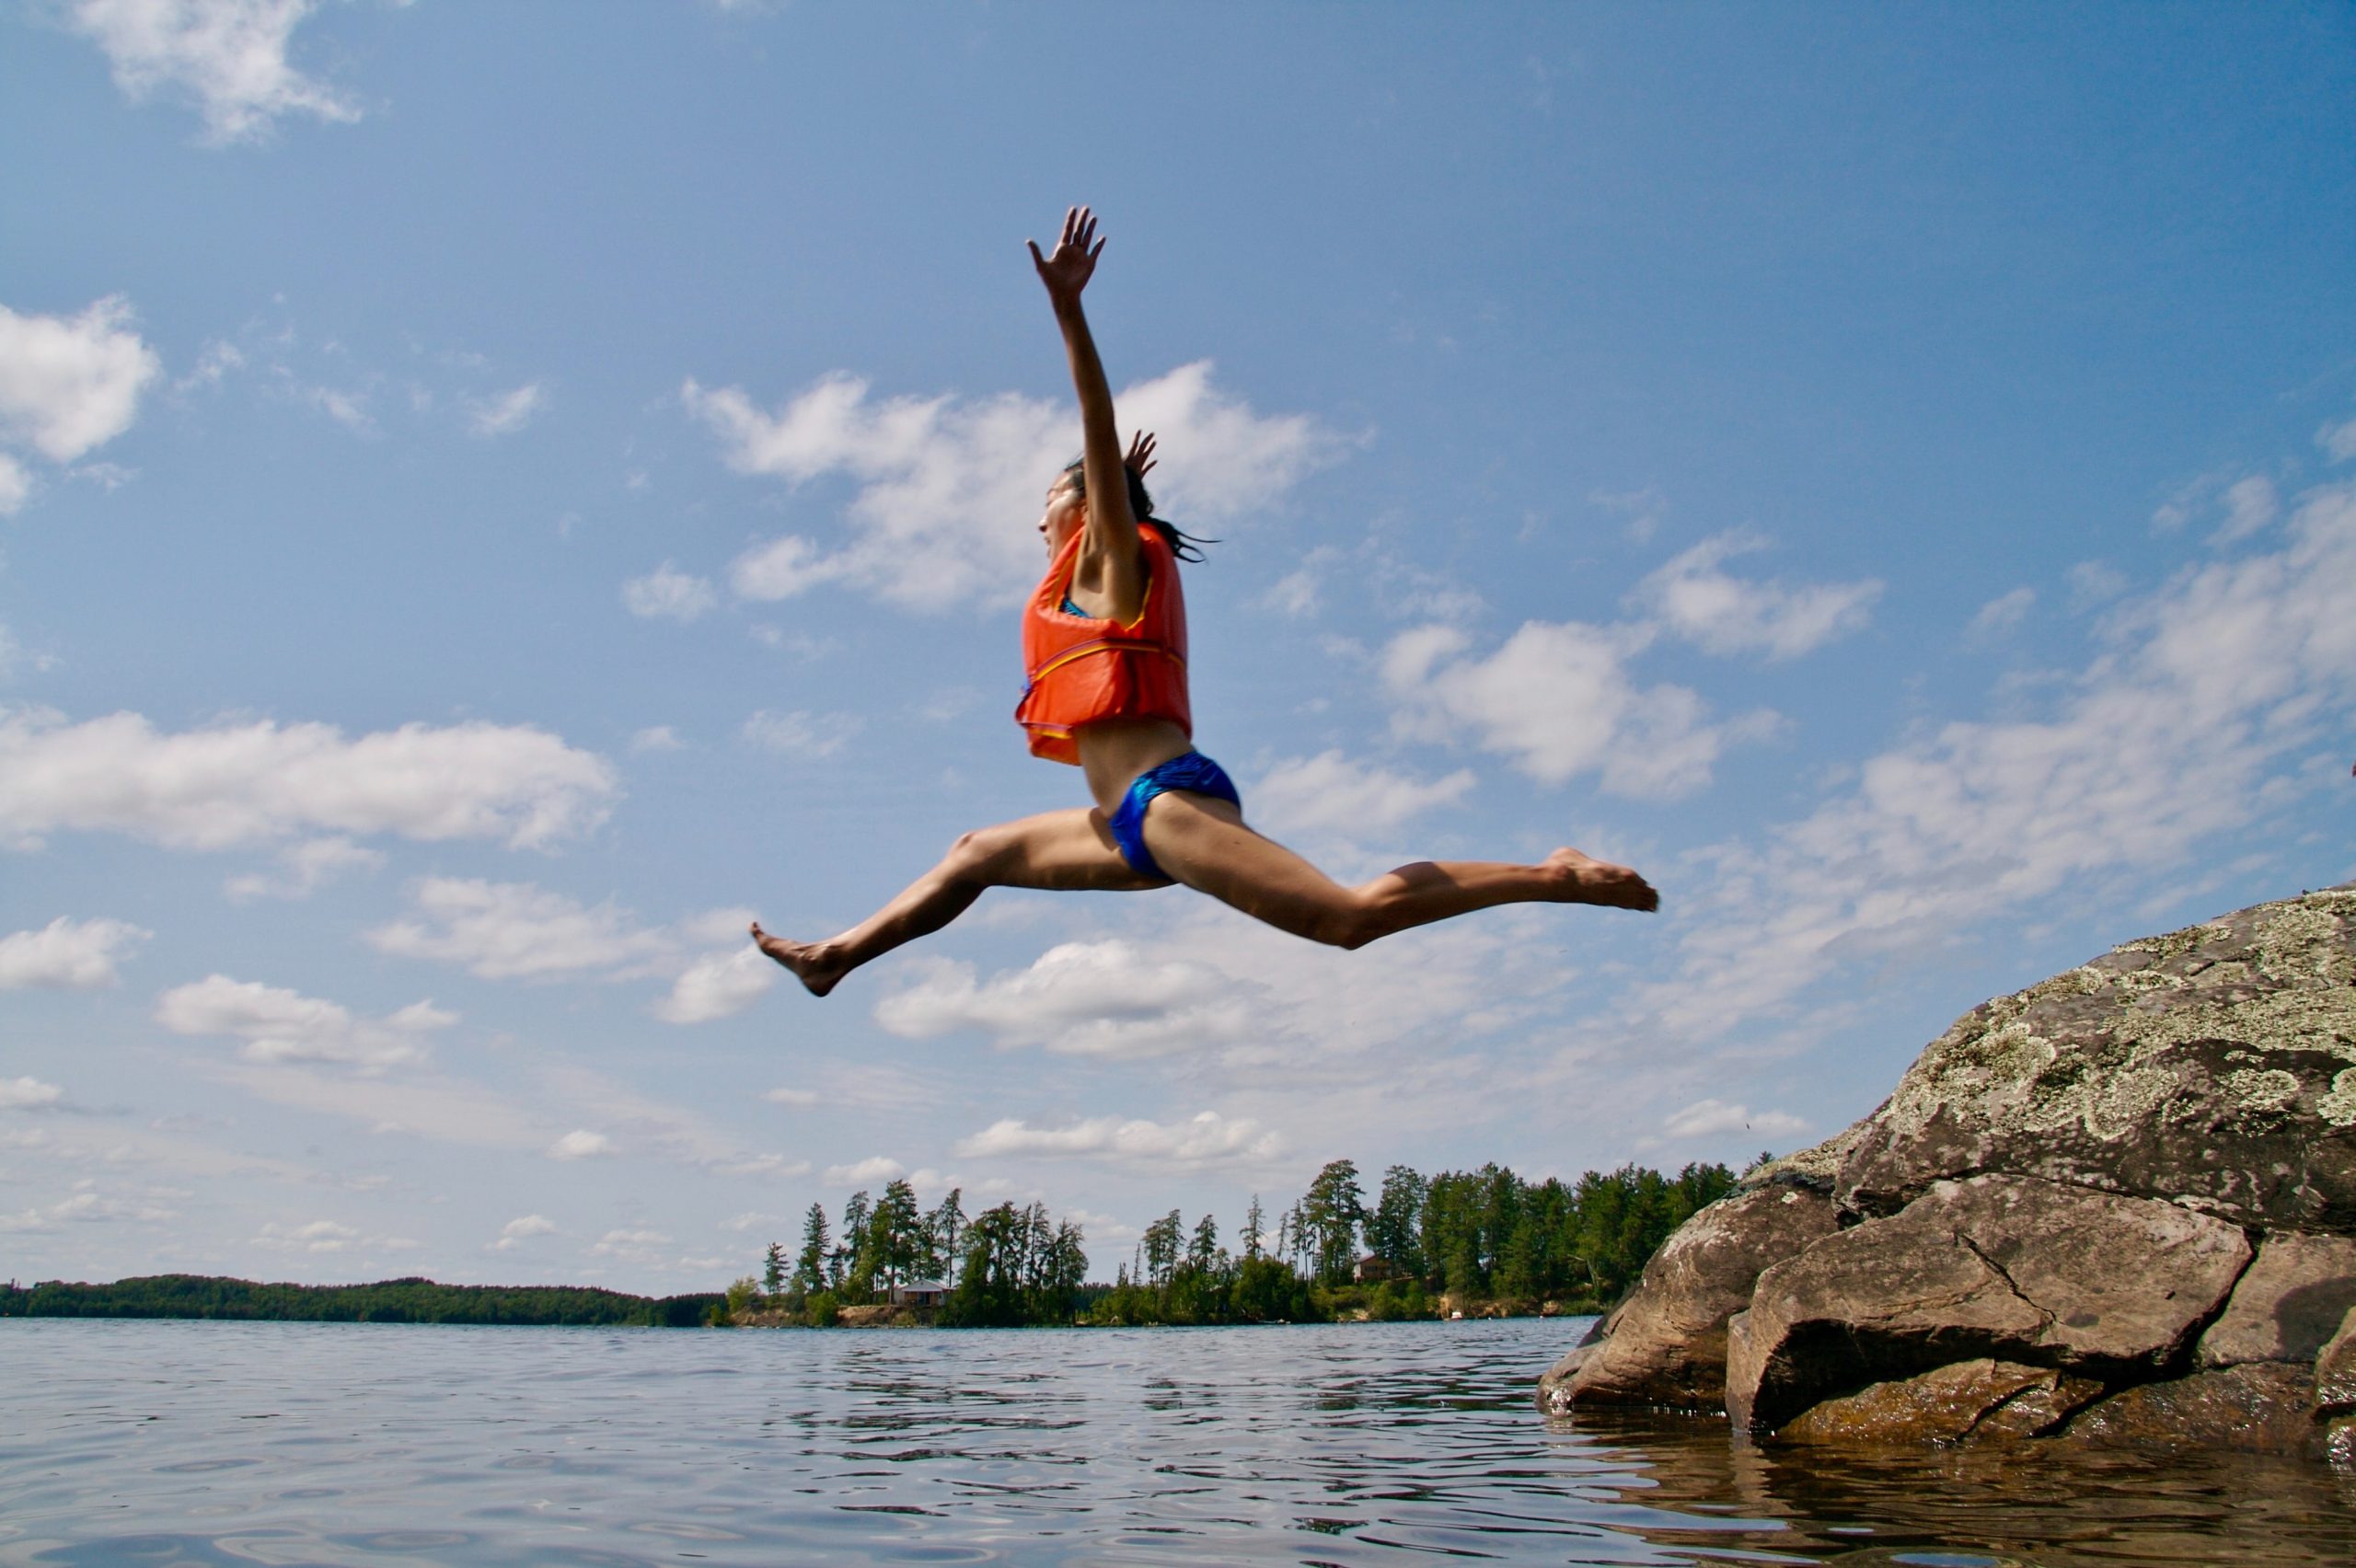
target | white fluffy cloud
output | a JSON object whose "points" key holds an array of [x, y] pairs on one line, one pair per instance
{"points": [[2338, 441], [2202, 712], [28, 1094], [87, 1206], [873, 1169], [72, 384], [811, 735], [2250, 504], [318, 1236], [1329, 793], [720, 985], [506, 413], [581, 1144], [948, 487], [2000, 615], [1558, 701], [68, 384], [657, 738], [72, 955], [1205, 1138], [231, 784], [229, 57], [520, 931], [1725, 614], [282, 1025], [516, 1232], [670, 592], [1711, 1118], [636, 1245], [304, 869], [1314, 1035], [1101, 999]]}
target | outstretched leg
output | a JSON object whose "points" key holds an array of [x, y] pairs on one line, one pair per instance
{"points": [[1068, 851], [1204, 844]]}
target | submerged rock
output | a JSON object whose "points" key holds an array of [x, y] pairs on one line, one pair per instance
{"points": [[2121, 1202], [2263, 1407], [1965, 1400]]}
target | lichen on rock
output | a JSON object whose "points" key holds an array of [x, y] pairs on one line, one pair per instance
{"points": [[2122, 1198]]}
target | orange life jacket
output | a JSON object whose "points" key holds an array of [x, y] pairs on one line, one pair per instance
{"points": [[1083, 670]]}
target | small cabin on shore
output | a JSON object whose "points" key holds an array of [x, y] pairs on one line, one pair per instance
{"points": [[917, 1293]]}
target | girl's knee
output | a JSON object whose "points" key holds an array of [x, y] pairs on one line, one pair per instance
{"points": [[974, 852], [1350, 926]]}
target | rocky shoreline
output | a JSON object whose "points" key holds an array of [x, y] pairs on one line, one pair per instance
{"points": [[2118, 1206]]}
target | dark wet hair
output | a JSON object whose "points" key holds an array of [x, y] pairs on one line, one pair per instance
{"points": [[1141, 508]]}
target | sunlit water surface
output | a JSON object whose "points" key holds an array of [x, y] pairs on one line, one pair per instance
{"points": [[292, 1443]]}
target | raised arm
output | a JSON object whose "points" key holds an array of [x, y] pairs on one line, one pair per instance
{"points": [[1110, 561]]}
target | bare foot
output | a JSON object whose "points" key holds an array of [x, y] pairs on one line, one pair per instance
{"points": [[810, 962], [1600, 881]]}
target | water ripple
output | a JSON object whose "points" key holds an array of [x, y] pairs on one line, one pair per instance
{"points": [[178, 1444]]}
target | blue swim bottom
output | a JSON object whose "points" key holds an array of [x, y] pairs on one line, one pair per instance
{"points": [[1193, 773]]}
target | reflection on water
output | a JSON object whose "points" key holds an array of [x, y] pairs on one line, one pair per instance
{"points": [[288, 1443], [2030, 1504]]}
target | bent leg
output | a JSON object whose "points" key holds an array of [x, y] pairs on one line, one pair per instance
{"points": [[1204, 844], [1065, 851]]}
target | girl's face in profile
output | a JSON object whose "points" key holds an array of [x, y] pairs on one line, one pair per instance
{"points": [[1066, 511]]}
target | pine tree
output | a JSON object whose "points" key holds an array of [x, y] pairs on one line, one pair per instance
{"points": [[1390, 1234], [945, 1227], [1202, 1252], [811, 1274], [894, 1235], [1331, 1211], [1161, 1247], [849, 1266]]}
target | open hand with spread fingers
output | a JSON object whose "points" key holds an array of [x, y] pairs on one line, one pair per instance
{"points": [[1066, 272]]}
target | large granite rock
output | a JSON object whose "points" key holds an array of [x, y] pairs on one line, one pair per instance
{"points": [[2008, 1267], [1665, 1345], [2214, 1067], [2133, 1186], [2288, 1305]]}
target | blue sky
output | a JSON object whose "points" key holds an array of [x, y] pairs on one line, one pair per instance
{"points": [[495, 496]]}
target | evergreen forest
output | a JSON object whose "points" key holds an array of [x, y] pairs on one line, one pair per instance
{"points": [[389, 1301], [1482, 1241]]}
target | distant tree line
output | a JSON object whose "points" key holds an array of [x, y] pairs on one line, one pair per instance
{"points": [[387, 1301], [1005, 1265], [1477, 1238]]}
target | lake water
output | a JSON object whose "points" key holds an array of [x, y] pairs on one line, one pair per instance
{"points": [[159, 1443]]}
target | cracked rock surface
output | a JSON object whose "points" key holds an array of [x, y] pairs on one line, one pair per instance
{"points": [[2133, 1184], [2010, 1267]]}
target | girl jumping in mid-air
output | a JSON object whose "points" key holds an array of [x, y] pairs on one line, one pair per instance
{"points": [[1104, 641]]}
